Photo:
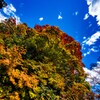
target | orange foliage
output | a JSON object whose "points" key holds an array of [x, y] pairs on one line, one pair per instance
{"points": [[40, 63]]}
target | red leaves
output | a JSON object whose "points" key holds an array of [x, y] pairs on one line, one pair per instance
{"points": [[78, 54], [40, 28], [66, 39], [71, 45]]}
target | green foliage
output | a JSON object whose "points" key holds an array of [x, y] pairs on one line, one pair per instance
{"points": [[41, 63]]}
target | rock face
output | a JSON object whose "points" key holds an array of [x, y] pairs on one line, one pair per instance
{"points": [[40, 63]]}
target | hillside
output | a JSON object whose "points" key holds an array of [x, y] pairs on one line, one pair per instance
{"points": [[40, 63]]}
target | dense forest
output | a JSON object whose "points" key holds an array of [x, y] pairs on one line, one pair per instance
{"points": [[40, 63]]}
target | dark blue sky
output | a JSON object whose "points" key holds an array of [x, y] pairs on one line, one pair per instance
{"points": [[69, 16]]}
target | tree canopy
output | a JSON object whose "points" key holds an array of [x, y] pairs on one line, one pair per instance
{"points": [[40, 63]]}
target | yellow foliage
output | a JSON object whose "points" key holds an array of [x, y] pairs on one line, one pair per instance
{"points": [[14, 96], [32, 95], [41, 63]]}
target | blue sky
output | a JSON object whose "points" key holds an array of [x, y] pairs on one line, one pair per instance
{"points": [[78, 18]]}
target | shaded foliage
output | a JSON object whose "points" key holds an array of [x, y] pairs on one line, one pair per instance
{"points": [[40, 63]]}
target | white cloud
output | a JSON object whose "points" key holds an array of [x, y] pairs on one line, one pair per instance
{"points": [[2, 17], [76, 13], [94, 9], [93, 49], [90, 72], [93, 75], [17, 19], [60, 16], [90, 41], [84, 37], [9, 11], [89, 2], [88, 44], [86, 16], [87, 53], [41, 19], [98, 62]]}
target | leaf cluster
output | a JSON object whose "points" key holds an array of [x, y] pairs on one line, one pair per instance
{"points": [[40, 63]]}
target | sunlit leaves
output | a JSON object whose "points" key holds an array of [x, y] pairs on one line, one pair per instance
{"points": [[41, 63]]}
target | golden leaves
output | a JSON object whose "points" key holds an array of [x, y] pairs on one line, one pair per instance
{"points": [[41, 64], [14, 96], [22, 78], [5, 62]]}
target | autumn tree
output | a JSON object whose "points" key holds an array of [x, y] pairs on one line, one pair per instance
{"points": [[40, 63]]}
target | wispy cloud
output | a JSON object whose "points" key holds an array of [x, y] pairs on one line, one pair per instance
{"points": [[93, 75], [94, 9], [84, 37], [90, 44], [60, 16], [91, 40], [76, 13], [90, 25], [9, 11], [87, 53], [86, 16], [93, 49], [41, 19]]}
